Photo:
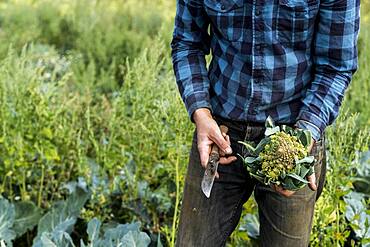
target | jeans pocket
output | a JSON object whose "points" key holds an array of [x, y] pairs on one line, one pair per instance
{"points": [[227, 18]]}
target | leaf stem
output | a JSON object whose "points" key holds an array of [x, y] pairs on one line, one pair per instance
{"points": [[41, 186], [23, 187]]}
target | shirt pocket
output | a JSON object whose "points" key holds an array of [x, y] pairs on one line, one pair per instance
{"points": [[226, 17], [292, 20]]}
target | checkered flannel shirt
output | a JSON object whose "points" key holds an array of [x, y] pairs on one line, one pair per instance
{"points": [[288, 59]]}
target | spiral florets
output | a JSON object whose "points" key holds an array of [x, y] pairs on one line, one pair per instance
{"points": [[280, 154]]}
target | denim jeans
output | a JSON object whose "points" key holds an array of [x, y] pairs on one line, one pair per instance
{"points": [[209, 222]]}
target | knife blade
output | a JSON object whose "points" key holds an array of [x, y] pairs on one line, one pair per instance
{"points": [[212, 165]]}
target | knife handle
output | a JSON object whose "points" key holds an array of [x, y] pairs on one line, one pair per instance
{"points": [[215, 149]]}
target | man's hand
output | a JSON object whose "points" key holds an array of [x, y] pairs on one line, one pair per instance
{"points": [[311, 180], [208, 132]]}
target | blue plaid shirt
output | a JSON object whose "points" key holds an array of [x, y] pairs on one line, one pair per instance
{"points": [[290, 59]]}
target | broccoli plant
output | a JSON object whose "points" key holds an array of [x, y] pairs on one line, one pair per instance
{"points": [[281, 158]]}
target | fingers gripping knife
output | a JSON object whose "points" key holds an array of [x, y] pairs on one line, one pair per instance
{"points": [[212, 165]]}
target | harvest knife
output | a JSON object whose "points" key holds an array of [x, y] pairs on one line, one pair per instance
{"points": [[212, 165]]}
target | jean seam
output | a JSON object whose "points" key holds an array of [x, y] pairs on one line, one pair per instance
{"points": [[225, 233]]}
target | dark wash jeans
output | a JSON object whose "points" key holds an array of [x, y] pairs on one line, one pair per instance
{"points": [[209, 222]]}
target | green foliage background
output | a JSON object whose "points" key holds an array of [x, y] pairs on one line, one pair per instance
{"points": [[87, 93]]}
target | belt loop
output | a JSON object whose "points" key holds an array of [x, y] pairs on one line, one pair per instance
{"points": [[247, 136], [248, 132]]}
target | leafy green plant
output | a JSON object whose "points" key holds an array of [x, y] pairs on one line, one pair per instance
{"points": [[331, 227], [55, 227], [122, 235], [281, 157], [7, 213], [356, 214], [247, 232], [251, 226], [361, 180], [27, 216], [16, 219], [61, 218]]}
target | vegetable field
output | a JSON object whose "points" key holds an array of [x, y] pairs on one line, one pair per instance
{"points": [[94, 138]]}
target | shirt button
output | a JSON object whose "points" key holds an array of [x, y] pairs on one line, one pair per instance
{"points": [[258, 12], [223, 7]]}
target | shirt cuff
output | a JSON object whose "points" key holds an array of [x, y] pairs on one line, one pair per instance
{"points": [[311, 122], [196, 101]]}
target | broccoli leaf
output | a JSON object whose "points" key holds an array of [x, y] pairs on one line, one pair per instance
{"points": [[93, 229], [59, 236], [27, 215], [250, 160], [269, 122], [288, 184], [251, 225], [271, 131], [362, 178], [286, 128], [249, 147], [259, 178], [295, 176], [308, 159], [135, 238], [262, 144], [7, 215], [305, 171], [356, 213], [305, 137], [120, 235], [62, 212]]}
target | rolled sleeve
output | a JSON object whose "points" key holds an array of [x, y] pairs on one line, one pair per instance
{"points": [[190, 44], [334, 62], [312, 127]]}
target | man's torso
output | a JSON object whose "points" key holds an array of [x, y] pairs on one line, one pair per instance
{"points": [[262, 59]]}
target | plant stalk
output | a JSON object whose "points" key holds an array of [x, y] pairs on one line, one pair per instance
{"points": [[173, 233], [41, 186]]}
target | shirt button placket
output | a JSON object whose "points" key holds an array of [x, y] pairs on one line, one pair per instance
{"points": [[258, 53]]}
